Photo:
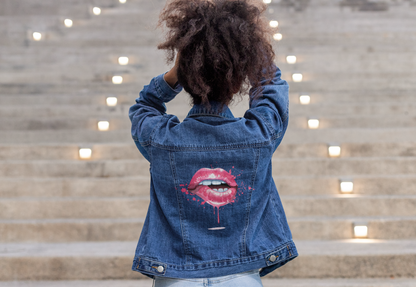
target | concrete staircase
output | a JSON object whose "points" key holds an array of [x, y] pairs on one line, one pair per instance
{"points": [[71, 222]]}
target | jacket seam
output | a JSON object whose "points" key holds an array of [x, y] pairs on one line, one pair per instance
{"points": [[208, 148], [183, 230], [243, 251]]}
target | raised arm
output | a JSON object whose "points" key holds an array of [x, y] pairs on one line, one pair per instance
{"points": [[271, 108], [149, 109]]}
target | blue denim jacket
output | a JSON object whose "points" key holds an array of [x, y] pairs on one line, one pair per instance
{"points": [[214, 208]]}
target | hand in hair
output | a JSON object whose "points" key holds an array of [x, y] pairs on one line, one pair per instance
{"points": [[171, 77]]}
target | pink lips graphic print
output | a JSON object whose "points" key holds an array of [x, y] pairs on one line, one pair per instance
{"points": [[216, 186]]}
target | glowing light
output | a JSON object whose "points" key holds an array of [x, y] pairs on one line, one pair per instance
{"points": [[123, 61], [291, 59], [68, 23], [360, 230], [334, 150], [346, 186], [37, 36], [267, 1], [297, 77], [274, 24], [111, 101], [305, 99], [117, 80], [96, 10], [313, 123], [85, 153], [123, 1], [278, 36], [103, 126]]}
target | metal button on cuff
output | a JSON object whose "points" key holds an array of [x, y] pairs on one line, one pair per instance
{"points": [[272, 258], [160, 269]]}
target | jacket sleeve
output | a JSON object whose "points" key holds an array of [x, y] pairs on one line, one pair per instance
{"points": [[149, 110], [271, 109]]}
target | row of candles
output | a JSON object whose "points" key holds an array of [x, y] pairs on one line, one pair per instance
{"points": [[360, 229]]}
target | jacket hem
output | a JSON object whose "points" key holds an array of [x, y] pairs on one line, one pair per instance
{"points": [[267, 261]]}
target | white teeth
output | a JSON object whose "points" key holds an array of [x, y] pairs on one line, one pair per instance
{"points": [[216, 182], [205, 182], [214, 189], [225, 189], [223, 182], [220, 190]]}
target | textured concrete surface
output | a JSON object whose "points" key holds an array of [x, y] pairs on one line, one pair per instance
{"points": [[358, 62]]}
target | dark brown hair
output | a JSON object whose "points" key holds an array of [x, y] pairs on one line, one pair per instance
{"points": [[224, 46]]}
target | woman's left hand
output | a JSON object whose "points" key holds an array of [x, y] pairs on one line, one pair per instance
{"points": [[171, 77]]}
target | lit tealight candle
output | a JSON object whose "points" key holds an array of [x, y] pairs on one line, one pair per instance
{"points": [[305, 99], [297, 77], [334, 150], [103, 126], [96, 10], [117, 80], [360, 230], [85, 153], [267, 1], [111, 101], [68, 23], [313, 123], [123, 61], [291, 59], [346, 186], [278, 36], [37, 36], [122, 1], [274, 24]]}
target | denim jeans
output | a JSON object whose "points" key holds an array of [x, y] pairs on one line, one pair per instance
{"points": [[244, 279]]}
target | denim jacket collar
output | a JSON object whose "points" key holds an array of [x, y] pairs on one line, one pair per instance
{"points": [[214, 111]]}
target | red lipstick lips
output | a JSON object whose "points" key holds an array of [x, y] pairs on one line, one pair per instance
{"points": [[216, 186]]}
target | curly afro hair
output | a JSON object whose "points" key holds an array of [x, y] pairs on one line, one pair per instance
{"points": [[224, 46]]}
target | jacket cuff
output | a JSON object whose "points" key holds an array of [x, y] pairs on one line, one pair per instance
{"points": [[165, 92]]}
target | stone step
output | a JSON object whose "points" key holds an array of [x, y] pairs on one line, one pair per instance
{"points": [[128, 186], [60, 64], [337, 228], [282, 167], [128, 229], [69, 136], [130, 151], [133, 207], [70, 230], [99, 110], [92, 79], [318, 259], [123, 122], [267, 282], [86, 207], [293, 136], [368, 185], [319, 58], [364, 99]]}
